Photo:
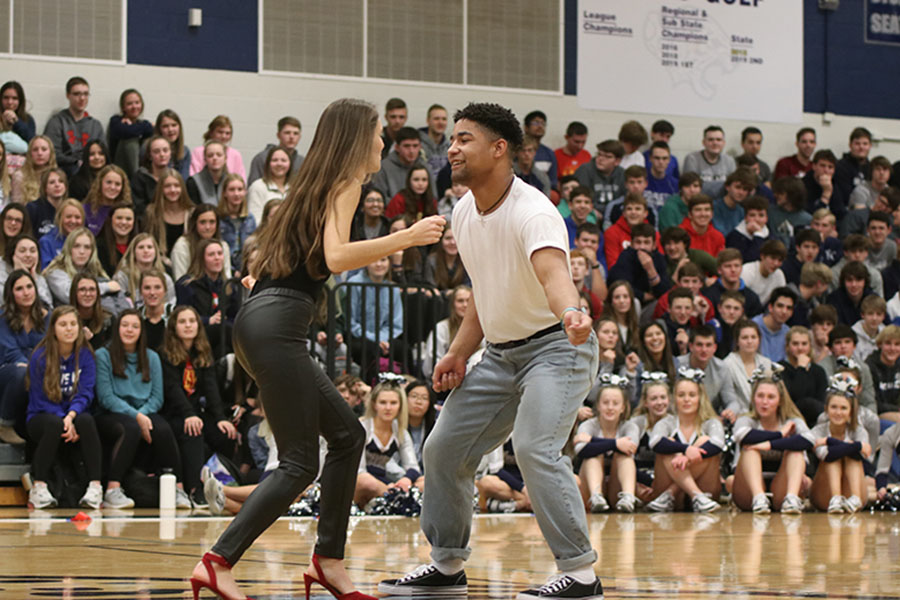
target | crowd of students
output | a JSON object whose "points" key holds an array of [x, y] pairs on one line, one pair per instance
{"points": [[717, 266]]}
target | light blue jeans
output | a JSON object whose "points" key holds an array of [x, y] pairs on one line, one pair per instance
{"points": [[534, 391]]}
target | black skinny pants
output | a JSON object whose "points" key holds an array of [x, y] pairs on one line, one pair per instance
{"points": [[45, 430], [193, 447], [123, 434], [301, 403]]}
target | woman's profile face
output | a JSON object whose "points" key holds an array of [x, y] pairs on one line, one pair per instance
{"points": [[374, 164]]}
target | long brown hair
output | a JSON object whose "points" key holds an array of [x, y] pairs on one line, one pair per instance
{"points": [[12, 313], [631, 317], [98, 313], [95, 197], [442, 275], [197, 268], [109, 236], [454, 320], [173, 349], [411, 199], [117, 349], [178, 148], [26, 223], [51, 353], [155, 223], [341, 147]]}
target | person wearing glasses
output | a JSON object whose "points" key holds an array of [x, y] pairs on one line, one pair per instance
{"points": [[71, 128]]}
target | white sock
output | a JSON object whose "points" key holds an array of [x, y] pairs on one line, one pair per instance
{"points": [[39, 484], [450, 566], [95, 484], [582, 575]]}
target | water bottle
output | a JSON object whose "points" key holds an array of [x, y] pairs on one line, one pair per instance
{"points": [[167, 490]]}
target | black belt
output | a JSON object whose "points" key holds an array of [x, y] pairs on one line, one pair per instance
{"points": [[532, 337]]}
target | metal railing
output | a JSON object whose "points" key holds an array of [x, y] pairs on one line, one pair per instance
{"points": [[423, 306]]}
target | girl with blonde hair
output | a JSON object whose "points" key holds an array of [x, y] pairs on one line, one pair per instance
{"points": [[26, 182], [109, 187], [142, 255]]}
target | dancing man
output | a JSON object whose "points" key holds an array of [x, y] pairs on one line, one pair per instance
{"points": [[297, 253], [541, 359]]}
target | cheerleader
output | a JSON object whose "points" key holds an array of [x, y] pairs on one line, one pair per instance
{"points": [[841, 444], [688, 447], [771, 442], [606, 445], [655, 405], [887, 450]]}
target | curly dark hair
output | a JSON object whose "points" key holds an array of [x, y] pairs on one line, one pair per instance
{"points": [[495, 118]]}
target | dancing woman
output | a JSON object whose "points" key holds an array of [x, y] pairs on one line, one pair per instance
{"points": [[297, 253]]}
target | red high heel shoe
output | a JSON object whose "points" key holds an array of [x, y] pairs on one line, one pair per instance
{"points": [[309, 579], [212, 584]]}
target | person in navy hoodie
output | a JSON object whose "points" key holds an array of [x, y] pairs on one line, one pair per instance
{"points": [[61, 377], [751, 233], [22, 326], [642, 265]]}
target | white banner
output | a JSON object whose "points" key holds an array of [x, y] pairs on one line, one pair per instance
{"points": [[737, 59]]}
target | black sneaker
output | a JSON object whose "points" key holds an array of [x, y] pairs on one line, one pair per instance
{"points": [[564, 587], [198, 499], [426, 581]]}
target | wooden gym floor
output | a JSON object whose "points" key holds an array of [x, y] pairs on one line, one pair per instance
{"points": [[138, 555]]}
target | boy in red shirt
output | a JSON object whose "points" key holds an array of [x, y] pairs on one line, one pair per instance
{"points": [[618, 236], [699, 226]]}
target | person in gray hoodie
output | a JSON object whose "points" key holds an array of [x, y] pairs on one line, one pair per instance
{"points": [[71, 128], [603, 175], [405, 154], [434, 141], [288, 137]]}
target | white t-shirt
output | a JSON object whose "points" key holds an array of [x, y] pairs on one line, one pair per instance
{"points": [[763, 286], [496, 250]]}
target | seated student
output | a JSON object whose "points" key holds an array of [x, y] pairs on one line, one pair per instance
{"points": [[421, 414], [275, 182], [22, 252], [61, 374], [373, 339], [739, 365], [79, 255], [763, 188], [389, 459], [729, 263], [579, 265], [655, 353], [702, 357], [110, 186], [632, 135], [678, 318], [882, 250], [873, 310], [699, 226], [14, 221], [853, 287], [606, 444], [42, 210], [118, 231], [822, 320], [750, 234], [661, 182], [654, 405], [751, 144], [236, 224], [688, 447], [404, 154], [772, 325], [26, 183], [642, 265], [857, 221], [820, 189], [444, 268], [370, 222], [675, 209], [886, 373], [588, 239], [499, 482], [691, 277], [192, 405], [868, 418], [567, 183], [841, 445], [842, 343], [888, 444], [662, 131], [805, 381], [603, 174], [205, 185], [572, 155], [730, 310], [220, 131], [129, 397], [796, 165], [786, 216], [771, 450], [618, 236], [635, 183], [127, 130], [288, 137], [856, 248], [416, 199], [866, 193], [622, 308], [203, 224], [712, 163], [96, 322], [23, 322], [612, 357], [216, 298], [581, 212], [676, 243], [142, 254], [825, 223], [155, 164], [807, 245], [764, 275], [728, 210], [814, 281], [156, 309], [69, 217], [525, 169]]}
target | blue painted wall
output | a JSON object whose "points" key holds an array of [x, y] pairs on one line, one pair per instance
{"points": [[158, 34], [841, 73]]}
